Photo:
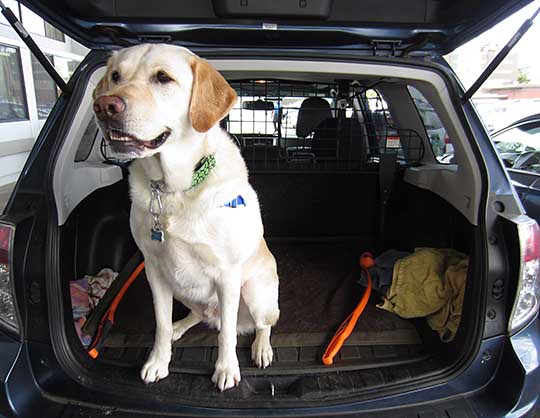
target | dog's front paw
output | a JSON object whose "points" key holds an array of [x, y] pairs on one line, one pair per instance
{"points": [[261, 353], [226, 374], [155, 368]]}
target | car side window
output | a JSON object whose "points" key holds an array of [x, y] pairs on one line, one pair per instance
{"points": [[439, 140], [519, 146], [87, 142]]}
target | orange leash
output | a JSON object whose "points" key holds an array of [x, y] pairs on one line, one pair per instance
{"points": [[107, 320], [347, 326]]}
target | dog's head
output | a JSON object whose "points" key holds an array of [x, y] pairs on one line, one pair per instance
{"points": [[154, 94]]}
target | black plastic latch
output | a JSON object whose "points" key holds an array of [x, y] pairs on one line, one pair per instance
{"points": [[384, 47]]}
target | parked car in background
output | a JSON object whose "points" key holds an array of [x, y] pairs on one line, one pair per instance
{"points": [[519, 147], [519, 144]]}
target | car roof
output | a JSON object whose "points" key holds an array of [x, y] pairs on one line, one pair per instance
{"points": [[528, 119]]}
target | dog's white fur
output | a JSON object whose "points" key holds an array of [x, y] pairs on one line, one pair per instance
{"points": [[214, 259]]}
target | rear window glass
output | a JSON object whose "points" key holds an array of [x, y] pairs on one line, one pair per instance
{"points": [[282, 124], [440, 142], [386, 136], [269, 108], [87, 141]]}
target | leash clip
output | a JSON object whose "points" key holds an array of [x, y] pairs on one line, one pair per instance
{"points": [[156, 209]]}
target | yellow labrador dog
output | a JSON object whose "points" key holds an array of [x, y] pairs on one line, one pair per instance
{"points": [[194, 215]]}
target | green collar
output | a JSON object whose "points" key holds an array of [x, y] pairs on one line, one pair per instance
{"points": [[203, 170]]}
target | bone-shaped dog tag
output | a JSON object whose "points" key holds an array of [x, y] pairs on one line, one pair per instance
{"points": [[158, 235]]}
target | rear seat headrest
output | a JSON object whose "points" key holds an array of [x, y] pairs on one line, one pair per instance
{"points": [[313, 111]]}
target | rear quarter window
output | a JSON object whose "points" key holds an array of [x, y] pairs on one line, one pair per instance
{"points": [[439, 140]]}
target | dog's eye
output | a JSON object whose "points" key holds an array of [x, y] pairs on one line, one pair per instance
{"points": [[162, 77], [115, 77]]}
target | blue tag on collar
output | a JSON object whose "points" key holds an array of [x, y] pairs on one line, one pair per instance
{"points": [[157, 235], [237, 201]]}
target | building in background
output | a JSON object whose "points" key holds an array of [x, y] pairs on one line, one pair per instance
{"points": [[512, 92], [27, 93]]}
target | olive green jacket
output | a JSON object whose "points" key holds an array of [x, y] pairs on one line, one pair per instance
{"points": [[429, 283]]}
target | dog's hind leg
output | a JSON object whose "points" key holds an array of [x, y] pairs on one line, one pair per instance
{"points": [[261, 350], [261, 297], [157, 365], [180, 327]]}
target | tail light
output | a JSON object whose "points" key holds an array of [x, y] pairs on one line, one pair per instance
{"points": [[528, 291], [447, 139], [8, 313]]}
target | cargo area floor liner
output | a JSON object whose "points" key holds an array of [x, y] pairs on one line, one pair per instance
{"points": [[318, 290]]}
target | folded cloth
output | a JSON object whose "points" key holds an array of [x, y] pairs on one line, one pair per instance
{"points": [[79, 297], [98, 285], [429, 283], [81, 307], [382, 272], [85, 295], [86, 339]]}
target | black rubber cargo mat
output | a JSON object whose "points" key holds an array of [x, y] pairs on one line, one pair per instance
{"points": [[318, 290], [287, 360]]}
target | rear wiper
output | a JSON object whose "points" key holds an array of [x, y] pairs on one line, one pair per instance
{"points": [[499, 57], [34, 49]]}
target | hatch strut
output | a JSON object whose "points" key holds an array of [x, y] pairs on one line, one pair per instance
{"points": [[27, 39], [499, 57]]}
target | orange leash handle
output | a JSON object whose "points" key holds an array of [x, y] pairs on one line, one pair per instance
{"points": [[347, 326], [108, 318], [120, 295]]}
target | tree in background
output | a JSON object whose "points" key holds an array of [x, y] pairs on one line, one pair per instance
{"points": [[523, 76]]}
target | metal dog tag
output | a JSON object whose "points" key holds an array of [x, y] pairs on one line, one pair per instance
{"points": [[156, 209], [158, 235]]}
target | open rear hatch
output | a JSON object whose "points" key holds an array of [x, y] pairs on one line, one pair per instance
{"points": [[436, 25]]}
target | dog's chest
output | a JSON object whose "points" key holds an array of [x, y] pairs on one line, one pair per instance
{"points": [[185, 257], [203, 237], [190, 273]]}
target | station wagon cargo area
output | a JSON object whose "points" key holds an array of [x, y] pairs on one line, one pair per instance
{"points": [[357, 137], [319, 169]]}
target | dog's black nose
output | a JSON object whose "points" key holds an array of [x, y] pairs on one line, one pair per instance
{"points": [[107, 107]]}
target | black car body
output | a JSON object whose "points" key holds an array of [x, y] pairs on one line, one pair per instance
{"points": [[68, 215]]}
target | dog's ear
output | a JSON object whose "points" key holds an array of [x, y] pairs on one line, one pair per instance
{"points": [[211, 96]]}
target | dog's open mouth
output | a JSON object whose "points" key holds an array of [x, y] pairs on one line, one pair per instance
{"points": [[122, 141]]}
